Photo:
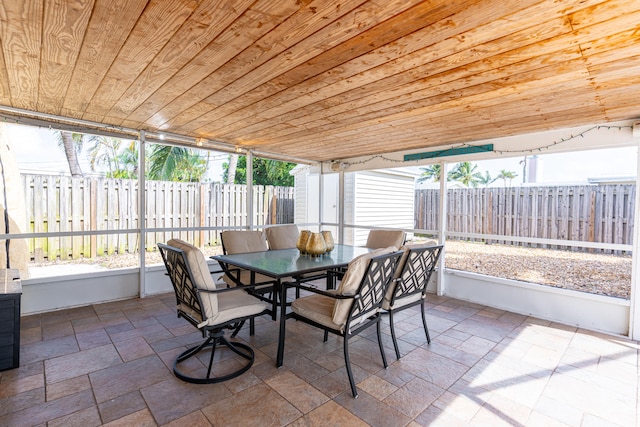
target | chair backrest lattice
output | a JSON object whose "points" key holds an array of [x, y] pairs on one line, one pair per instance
{"points": [[188, 301], [373, 287], [417, 270]]}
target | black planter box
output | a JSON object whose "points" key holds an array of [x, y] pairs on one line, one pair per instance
{"points": [[10, 292]]}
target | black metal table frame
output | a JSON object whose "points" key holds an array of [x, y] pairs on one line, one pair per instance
{"points": [[287, 263]]}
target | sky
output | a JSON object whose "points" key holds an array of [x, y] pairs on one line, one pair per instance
{"points": [[37, 151]]}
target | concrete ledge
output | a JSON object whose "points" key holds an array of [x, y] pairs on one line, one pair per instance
{"points": [[581, 309]]}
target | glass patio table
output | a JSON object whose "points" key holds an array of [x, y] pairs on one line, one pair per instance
{"points": [[284, 264]]}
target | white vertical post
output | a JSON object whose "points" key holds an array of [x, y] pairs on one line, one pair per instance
{"points": [[250, 212], [142, 214], [442, 235], [634, 308], [341, 207], [320, 199]]}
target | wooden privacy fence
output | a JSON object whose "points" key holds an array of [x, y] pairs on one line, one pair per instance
{"points": [[60, 203], [592, 213]]}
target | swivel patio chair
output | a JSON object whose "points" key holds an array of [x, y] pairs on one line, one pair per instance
{"points": [[354, 306], [385, 238], [209, 309], [414, 270]]}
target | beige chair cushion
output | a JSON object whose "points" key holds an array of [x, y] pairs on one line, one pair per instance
{"points": [[318, 308], [240, 242], [234, 305], [201, 275], [283, 236], [351, 281], [401, 302], [384, 238]]}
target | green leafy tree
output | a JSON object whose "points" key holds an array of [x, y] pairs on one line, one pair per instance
{"points": [[486, 179], [466, 174], [507, 175], [72, 144], [265, 172], [168, 163], [431, 172]]}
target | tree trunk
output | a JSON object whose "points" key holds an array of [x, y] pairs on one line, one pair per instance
{"points": [[71, 153], [231, 170]]}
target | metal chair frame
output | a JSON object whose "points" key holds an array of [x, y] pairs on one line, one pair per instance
{"points": [[367, 302], [188, 296], [416, 271]]}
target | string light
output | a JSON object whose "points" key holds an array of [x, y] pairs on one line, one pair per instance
{"points": [[499, 152]]}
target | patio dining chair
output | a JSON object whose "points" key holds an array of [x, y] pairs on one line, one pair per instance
{"points": [[257, 285], [354, 306], [409, 288], [209, 309], [385, 238]]}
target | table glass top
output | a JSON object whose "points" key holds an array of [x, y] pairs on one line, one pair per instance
{"points": [[287, 262]]}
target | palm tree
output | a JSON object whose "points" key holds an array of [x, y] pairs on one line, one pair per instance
{"points": [[431, 172], [505, 174], [465, 173], [486, 179], [232, 166], [72, 144], [169, 163]]}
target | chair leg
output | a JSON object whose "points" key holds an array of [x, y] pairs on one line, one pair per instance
{"points": [[384, 357], [252, 327], [237, 329], [393, 335], [424, 322], [347, 363], [213, 340], [326, 336]]}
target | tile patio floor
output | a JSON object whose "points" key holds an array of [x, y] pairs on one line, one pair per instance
{"points": [[109, 364]]}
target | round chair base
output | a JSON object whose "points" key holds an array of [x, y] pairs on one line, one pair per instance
{"points": [[240, 349]]}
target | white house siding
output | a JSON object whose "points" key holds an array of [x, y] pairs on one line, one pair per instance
{"points": [[384, 199], [300, 203]]}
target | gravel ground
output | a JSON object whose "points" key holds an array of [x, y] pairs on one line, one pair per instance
{"points": [[582, 271], [587, 272]]}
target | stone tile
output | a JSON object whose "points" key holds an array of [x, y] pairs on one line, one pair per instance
{"points": [[121, 406], [258, 405], [500, 411], [126, 377], [194, 419], [88, 417], [93, 338], [67, 387], [435, 417], [192, 397], [81, 363], [43, 412], [377, 387], [30, 335], [56, 330], [298, 392], [141, 418], [21, 401], [414, 397], [536, 419], [22, 371], [477, 346], [48, 349], [371, 410], [329, 414], [134, 348], [150, 333], [21, 385], [437, 369], [243, 382]]}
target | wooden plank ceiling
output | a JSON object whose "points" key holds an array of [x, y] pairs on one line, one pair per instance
{"points": [[325, 80]]}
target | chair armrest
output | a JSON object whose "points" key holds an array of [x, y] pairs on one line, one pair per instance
{"points": [[221, 290], [316, 290]]}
